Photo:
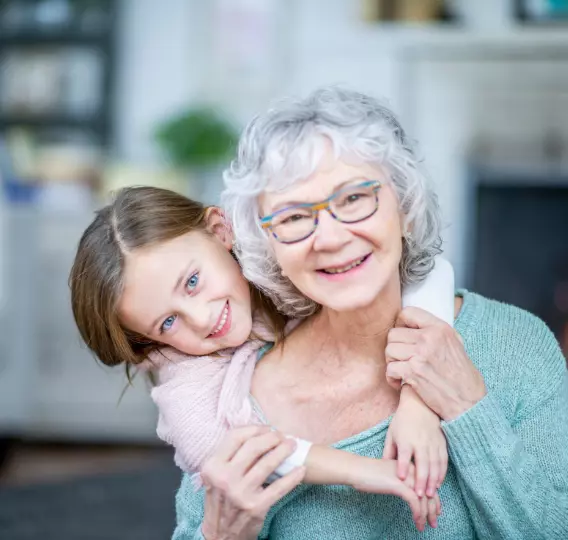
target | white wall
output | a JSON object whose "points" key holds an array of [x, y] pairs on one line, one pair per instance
{"points": [[162, 54]]}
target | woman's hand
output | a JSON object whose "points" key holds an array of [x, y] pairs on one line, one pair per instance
{"points": [[380, 476], [415, 434], [428, 354], [236, 501]]}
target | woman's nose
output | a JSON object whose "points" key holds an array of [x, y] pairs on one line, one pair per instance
{"points": [[330, 234]]}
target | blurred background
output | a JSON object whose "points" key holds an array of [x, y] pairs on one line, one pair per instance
{"points": [[100, 94]]}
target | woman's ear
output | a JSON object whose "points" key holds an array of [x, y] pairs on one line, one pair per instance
{"points": [[219, 226], [405, 227]]}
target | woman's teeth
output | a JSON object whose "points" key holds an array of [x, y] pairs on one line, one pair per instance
{"points": [[342, 269], [222, 322]]}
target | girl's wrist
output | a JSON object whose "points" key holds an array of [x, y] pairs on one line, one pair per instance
{"points": [[329, 466]]}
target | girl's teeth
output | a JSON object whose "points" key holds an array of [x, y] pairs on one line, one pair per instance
{"points": [[344, 268], [222, 322]]}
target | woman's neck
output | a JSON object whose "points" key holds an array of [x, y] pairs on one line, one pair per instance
{"points": [[359, 335]]}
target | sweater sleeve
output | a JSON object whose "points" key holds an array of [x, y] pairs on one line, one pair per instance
{"points": [[514, 474], [186, 397], [189, 511]]}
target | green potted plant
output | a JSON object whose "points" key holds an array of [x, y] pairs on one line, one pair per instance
{"points": [[201, 142]]}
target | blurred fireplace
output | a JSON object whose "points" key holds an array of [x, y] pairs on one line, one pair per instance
{"points": [[521, 243]]}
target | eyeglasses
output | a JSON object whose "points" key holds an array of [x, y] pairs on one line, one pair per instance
{"points": [[350, 204]]}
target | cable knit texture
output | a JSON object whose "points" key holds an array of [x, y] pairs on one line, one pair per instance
{"points": [[200, 398], [508, 473]]}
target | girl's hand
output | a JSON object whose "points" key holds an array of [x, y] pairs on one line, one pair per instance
{"points": [[380, 476], [415, 434], [236, 500]]}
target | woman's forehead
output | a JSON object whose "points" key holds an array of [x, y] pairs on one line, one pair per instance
{"points": [[327, 178]]}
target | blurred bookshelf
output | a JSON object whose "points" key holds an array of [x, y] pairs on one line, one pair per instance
{"points": [[57, 60]]}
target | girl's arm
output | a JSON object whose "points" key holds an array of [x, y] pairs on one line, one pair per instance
{"points": [[177, 426], [415, 433], [330, 466]]}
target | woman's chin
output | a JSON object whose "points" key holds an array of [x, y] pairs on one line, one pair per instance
{"points": [[349, 301]]}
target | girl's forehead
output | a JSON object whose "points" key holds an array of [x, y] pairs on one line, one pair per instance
{"points": [[179, 244]]}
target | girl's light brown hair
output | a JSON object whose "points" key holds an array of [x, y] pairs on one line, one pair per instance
{"points": [[138, 217]]}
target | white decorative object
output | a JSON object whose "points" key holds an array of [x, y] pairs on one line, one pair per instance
{"points": [[484, 15]]}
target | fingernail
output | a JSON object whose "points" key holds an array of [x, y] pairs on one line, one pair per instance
{"points": [[435, 523], [420, 493]]}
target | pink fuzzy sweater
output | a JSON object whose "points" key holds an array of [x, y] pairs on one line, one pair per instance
{"points": [[200, 398]]}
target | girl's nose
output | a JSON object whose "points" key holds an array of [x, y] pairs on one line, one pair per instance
{"points": [[197, 315]]}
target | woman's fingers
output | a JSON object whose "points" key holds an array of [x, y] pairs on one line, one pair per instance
{"points": [[275, 491], [235, 439], [401, 371], [399, 351], [268, 463], [402, 335], [253, 449], [413, 317]]}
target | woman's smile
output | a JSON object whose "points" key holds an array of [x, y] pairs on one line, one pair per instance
{"points": [[345, 271]]}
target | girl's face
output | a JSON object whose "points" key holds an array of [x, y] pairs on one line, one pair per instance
{"points": [[188, 293]]}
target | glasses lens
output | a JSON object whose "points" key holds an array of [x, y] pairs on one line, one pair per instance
{"points": [[354, 203], [293, 224]]}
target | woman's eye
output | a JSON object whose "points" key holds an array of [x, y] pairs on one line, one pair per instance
{"points": [[168, 323], [192, 282], [354, 197], [294, 217]]}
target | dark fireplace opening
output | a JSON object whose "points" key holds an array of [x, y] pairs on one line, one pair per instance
{"points": [[521, 248]]}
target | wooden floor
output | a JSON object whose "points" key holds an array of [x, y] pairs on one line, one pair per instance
{"points": [[27, 464]]}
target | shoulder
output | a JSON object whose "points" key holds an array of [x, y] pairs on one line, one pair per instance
{"points": [[515, 350], [505, 326]]}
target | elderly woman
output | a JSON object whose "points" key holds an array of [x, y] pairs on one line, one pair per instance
{"points": [[332, 214]]}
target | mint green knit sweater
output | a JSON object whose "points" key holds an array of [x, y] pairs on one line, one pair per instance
{"points": [[508, 473]]}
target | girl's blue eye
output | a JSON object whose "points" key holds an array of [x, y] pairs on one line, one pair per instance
{"points": [[193, 281], [168, 323]]}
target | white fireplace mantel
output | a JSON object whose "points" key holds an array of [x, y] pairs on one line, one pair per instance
{"points": [[460, 91]]}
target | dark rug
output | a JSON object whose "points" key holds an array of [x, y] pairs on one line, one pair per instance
{"points": [[122, 506]]}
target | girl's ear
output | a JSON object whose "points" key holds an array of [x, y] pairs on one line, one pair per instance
{"points": [[219, 226]]}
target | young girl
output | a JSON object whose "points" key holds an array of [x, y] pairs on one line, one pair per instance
{"points": [[155, 285]]}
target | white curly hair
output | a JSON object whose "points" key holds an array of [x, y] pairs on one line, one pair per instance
{"points": [[284, 146]]}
